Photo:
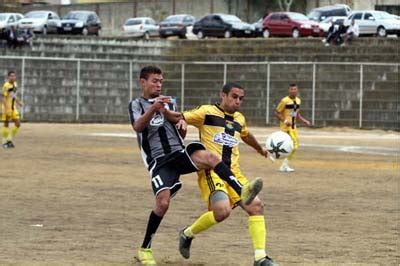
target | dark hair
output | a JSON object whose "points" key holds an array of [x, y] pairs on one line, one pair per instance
{"points": [[148, 70], [10, 72], [292, 84], [230, 85]]}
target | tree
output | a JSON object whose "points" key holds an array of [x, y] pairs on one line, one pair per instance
{"points": [[285, 5]]}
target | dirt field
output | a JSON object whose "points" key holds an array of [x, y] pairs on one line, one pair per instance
{"points": [[69, 196]]}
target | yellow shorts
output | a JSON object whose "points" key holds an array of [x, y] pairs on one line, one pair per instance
{"points": [[210, 182], [14, 115]]}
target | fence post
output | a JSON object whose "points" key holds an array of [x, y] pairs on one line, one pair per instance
{"points": [[361, 94], [182, 87], [268, 91], [313, 94], [78, 80], [225, 70], [130, 81], [22, 85]]}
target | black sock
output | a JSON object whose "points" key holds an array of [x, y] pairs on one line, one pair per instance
{"points": [[226, 174], [152, 226]]}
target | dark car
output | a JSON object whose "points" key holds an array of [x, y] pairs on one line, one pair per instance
{"points": [[289, 24], [258, 27], [222, 25], [176, 25], [80, 22], [321, 13]]}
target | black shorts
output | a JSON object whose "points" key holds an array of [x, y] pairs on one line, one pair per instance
{"points": [[166, 170]]}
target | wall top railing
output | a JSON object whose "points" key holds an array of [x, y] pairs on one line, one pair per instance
{"points": [[200, 62]]}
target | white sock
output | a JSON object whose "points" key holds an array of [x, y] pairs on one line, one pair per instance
{"points": [[259, 254]]}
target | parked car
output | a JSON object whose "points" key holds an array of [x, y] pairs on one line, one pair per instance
{"points": [[373, 22], [80, 22], [7, 20], [258, 27], [289, 24], [327, 23], [40, 21], [141, 27], [222, 25], [321, 13], [176, 25]]}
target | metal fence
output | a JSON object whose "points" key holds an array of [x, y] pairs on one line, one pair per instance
{"points": [[315, 79]]}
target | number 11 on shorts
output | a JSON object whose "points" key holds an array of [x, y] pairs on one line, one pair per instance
{"points": [[157, 181]]}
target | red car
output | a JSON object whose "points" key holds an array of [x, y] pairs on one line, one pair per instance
{"points": [[289, 24]]}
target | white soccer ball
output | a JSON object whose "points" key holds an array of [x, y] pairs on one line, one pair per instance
{"points": [[279, 144]]}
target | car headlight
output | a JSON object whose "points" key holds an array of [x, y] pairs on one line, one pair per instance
{"points": [[79, 24], [306, 26]]}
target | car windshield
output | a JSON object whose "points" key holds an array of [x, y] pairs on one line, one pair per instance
{"points": [[382, 15], [174, 19], [314, 15], [297, 16], [230, 18], [36, 15], [76, 15], [3, 17], [131, 22]]}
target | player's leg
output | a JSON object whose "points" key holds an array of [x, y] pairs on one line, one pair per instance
{"points": [[257, 231], [4, 129], [14, 130], [212, 188], [285, 164], [206, 160]]}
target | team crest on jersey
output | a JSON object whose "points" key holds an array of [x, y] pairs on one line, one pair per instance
{"points": [[157, 120], [229, 125], [225, 139]]}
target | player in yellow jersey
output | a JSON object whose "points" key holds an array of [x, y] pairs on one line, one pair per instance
{"points": [[9, 110], [221, 128], [288, 111]]}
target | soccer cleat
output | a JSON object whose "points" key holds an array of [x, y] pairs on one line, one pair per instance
{"points": [[145, 256], [6, 145], [10, 144], [251, 190], [184, 244], [266, 261], [285, 167]]}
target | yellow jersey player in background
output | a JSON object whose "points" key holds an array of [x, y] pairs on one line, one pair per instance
{"points": [[221, 127], [288, 111], [9, 111]]}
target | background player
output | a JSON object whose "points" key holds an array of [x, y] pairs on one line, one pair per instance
{"points": [[288, 111], [9, 110], [221, 127], [166, 157]]}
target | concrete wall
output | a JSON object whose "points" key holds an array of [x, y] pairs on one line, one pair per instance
{"points": [[50, 87]]}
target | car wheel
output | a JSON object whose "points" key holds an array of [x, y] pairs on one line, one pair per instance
{"points": [[200, 34], [146, 35], [381, 32], [44, 30], [85, 32], [295, 33], [266, 33], [227, 34]]}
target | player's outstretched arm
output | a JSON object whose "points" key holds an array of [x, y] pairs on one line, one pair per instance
{"points": [[172, 116], [252, 141]]}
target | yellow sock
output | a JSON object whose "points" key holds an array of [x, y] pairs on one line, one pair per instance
{"points": [[205, 221], [14, 131], [4, 134], [258, 235], [291, 155]]}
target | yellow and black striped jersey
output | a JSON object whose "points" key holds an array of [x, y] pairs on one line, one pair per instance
{"points": [[219, 131], [289, 108], [9, 93]]}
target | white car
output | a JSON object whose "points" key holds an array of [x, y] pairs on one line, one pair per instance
{"points": [[373, 22], [141, 27], [327, 23], [40, 21], [7, 20]]}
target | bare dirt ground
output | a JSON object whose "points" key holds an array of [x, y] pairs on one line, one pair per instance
{"points": [[69, 196]]}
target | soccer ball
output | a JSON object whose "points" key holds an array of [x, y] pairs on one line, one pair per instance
{"points": [[279, 144]]}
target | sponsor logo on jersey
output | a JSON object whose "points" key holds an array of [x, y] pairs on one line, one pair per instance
{"points": [[225, 139], [157, 120]]}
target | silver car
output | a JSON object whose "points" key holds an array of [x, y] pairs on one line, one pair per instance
{"points": [[8, 20], [373, 22], [40, 21], [141, 27]]}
